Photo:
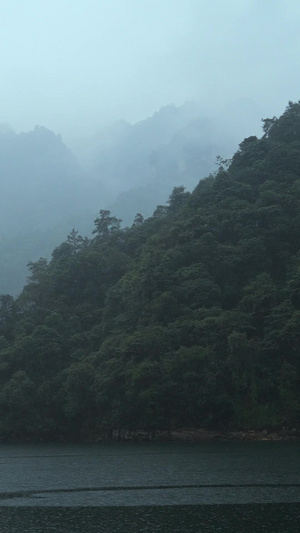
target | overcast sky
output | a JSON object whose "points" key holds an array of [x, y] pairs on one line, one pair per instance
{"points": [[76, 65]]}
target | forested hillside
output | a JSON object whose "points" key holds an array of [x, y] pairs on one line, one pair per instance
{"points": [[190, 318]]}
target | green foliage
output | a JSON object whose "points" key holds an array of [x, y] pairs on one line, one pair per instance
{"points": [[188, 318], [18, 398], [106, 224]]}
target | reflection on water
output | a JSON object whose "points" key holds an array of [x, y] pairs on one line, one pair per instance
{"points": [[203, 487]]}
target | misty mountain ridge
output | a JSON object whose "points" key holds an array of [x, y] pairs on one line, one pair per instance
{"points": [[141, 162], [130, 155], [47, 188], [44, 193], [42, 181]]}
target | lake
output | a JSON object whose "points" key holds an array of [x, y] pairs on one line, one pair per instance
{"points": [[206, 487]]}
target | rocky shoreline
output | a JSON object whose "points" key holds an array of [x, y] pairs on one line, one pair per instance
{"points": [[173, 435], [201, 435]]}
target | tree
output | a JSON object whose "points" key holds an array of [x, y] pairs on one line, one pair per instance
{"points": [[177, 198], [8, 315], [106, 224], [19, 410], [138, 219], [77, 242]]}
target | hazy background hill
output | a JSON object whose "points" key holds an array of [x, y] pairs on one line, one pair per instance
{"points": [[44, 193], [141, 163], [47, 188], [41, 181]]}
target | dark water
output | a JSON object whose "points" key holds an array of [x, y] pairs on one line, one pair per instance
{"points": [[207, 487]]}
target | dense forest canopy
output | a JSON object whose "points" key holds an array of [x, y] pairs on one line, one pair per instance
{"points": [[189, 318]]}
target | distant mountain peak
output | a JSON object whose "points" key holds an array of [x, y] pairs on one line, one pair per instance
{"points": [[5, 129]]}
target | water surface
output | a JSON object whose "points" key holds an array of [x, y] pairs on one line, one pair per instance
{"points": [[205, 487]]}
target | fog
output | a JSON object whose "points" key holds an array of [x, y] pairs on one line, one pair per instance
{"points": [[110, 104], [75, 67]]}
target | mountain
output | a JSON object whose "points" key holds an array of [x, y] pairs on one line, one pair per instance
{"points": [[47, 190], [187, 319], [44, 193], [41, 181], [140, 163]]}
